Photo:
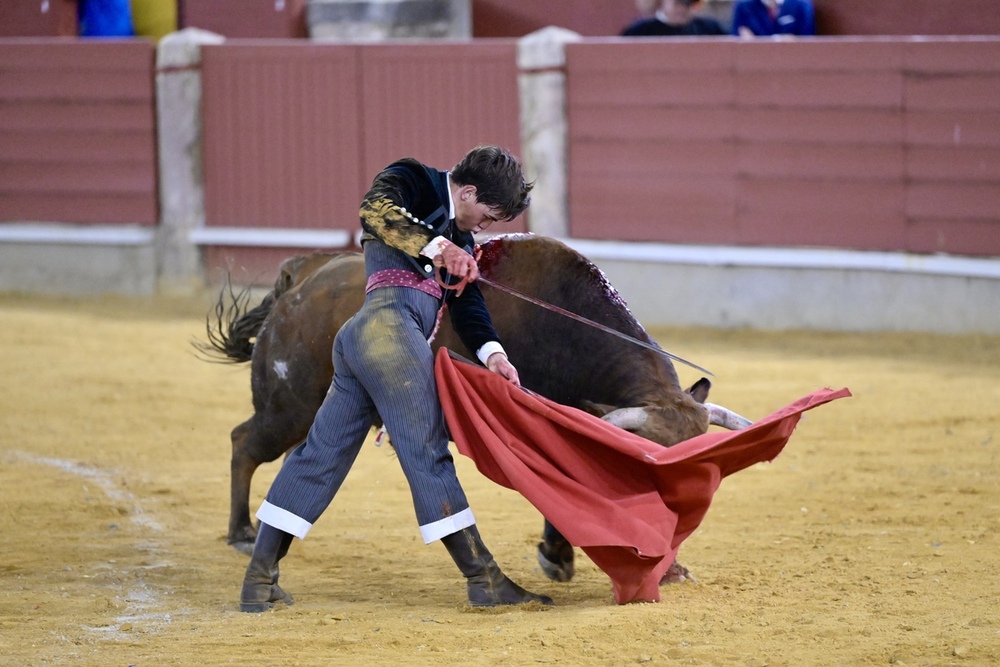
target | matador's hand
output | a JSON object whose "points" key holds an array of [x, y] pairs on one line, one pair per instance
{"points": [[499, 364], [457, 262]]}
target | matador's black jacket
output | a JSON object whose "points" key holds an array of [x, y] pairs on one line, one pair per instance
{"points": [[422, 192]]}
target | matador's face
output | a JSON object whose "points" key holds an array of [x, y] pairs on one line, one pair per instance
{"points": [[470, 214]]}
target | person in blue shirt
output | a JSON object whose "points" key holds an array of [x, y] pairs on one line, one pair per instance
{"points": [[105, 18], [675, 18], [761, 18]]}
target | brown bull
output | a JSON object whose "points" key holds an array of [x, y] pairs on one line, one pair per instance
{"points": [[560, 358]]}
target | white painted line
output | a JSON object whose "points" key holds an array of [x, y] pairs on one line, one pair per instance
{"points": [[141, 603]]}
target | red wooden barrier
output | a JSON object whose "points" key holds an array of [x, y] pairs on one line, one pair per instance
{"points": [[294, 132], [77, 131], [868, 145], [887, 144]]}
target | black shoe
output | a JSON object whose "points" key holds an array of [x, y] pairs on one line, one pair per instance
{"points": [[260, 589], [487, 585]]}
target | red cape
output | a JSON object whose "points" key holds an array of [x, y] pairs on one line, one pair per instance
{"points": [[626, 501]]}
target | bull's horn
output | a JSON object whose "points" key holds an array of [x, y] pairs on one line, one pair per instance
{"points": [[630, 419], [726, 418]]}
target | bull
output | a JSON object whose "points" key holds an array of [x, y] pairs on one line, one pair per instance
{"points": [[288, 340]]}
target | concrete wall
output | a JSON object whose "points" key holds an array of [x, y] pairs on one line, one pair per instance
{"points": [[75, 262]]}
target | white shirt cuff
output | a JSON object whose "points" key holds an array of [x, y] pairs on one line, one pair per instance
{"points": [[446, 526], [435, 247], [489, 348], [284, 520]]}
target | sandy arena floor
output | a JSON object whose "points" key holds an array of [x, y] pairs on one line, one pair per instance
{"points": [[874, 539]]}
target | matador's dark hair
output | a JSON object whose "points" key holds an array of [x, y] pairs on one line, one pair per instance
{"points": [[498, 178]]}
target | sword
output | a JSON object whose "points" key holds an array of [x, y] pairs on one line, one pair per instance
{"points": [[596, 325], [556, 309]]}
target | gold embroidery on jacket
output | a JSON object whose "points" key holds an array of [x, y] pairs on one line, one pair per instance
{"points": [[383, 219]]}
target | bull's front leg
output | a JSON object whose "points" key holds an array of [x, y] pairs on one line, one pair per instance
{"points": [[555, 554]]}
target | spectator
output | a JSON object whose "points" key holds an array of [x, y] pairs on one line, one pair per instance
{"points": [[154, 18], [675, 18], [645, 9], [105, 18], [760, 18]]}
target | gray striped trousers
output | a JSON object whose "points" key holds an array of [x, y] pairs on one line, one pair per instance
{"points": [[383, 366]]}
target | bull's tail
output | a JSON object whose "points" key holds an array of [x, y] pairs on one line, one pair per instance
{"points": [[231, 326]]}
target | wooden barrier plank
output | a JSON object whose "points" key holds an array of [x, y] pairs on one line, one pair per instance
{"points": [[812, 90], [612, 123], [862, 215], [52, 178], [91, 56], [954, 163], [75, 86], [949, 55], [962, 91], [92, 116], [668, 88], [818, 55], [953, 127], [666, 157], [953, 201], [821, 127], [801, 160], [703, 54], [679, 209], [79, 207], [73, 146]]}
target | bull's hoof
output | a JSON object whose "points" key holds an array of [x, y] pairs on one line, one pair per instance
{"points": [[242, 539], [243, 546], [677, 574], [556, 563]]}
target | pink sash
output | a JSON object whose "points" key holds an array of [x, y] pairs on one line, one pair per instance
{"points": [[403, 278]]}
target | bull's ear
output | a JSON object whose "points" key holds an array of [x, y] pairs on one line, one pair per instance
{"points": [[286, 274], [699, 390], [596, 409]]}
